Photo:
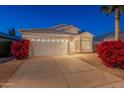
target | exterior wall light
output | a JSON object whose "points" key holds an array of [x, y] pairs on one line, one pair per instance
{"points": [[32, 40], [62, 40], [71, 43], [53, 40], [48, 40], [38, 39], [57, 40], [66, 40], [43, 40]]}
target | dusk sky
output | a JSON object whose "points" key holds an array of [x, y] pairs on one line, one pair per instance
{"points": [[84, 17]]}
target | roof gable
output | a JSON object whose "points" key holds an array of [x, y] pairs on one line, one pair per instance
{"points": [[87, 34]]}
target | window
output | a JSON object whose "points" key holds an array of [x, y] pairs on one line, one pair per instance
{"points": [[86, 44]]}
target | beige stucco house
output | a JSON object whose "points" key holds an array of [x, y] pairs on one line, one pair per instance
{"points": [[58, 40]]}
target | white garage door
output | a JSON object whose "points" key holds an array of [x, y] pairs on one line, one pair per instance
{"points": [[46, 48]]}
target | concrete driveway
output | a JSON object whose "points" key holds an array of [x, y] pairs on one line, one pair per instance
{"points": [[60, 72]]}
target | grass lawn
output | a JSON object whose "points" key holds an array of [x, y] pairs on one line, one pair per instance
{"points": [[7, 69]]}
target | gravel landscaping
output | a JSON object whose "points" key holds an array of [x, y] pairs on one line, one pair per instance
{"points": [[7, 69]]}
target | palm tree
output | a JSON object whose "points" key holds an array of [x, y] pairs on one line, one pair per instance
{"points": [[118, 10]]}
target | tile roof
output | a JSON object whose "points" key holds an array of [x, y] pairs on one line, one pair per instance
{"points": [[59, 26], [58, 29], [64, 27], [47, 31]]}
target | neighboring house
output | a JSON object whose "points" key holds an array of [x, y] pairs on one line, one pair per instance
{"points": [[111, 36], [6, 37], [58, 40], [106, 37]]}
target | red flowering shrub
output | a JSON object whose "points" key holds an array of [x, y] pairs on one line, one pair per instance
{"points": [[20, 49], [112, 53]]}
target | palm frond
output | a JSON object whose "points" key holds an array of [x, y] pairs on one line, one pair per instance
{"points": [[112, 8], [105, 9], [121, 7]]}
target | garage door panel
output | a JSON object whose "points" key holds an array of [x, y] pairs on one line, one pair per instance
{"points": [[49, 48]]}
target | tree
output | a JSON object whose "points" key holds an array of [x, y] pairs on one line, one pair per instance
{"points": [[12, 32], [118, 10]]}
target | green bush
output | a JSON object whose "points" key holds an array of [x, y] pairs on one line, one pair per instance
{"points": [[5, 48]]}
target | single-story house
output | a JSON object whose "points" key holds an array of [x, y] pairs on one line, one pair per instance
{"points": [[106, 37], [111, 36], [58, 40], [6, 37]]}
